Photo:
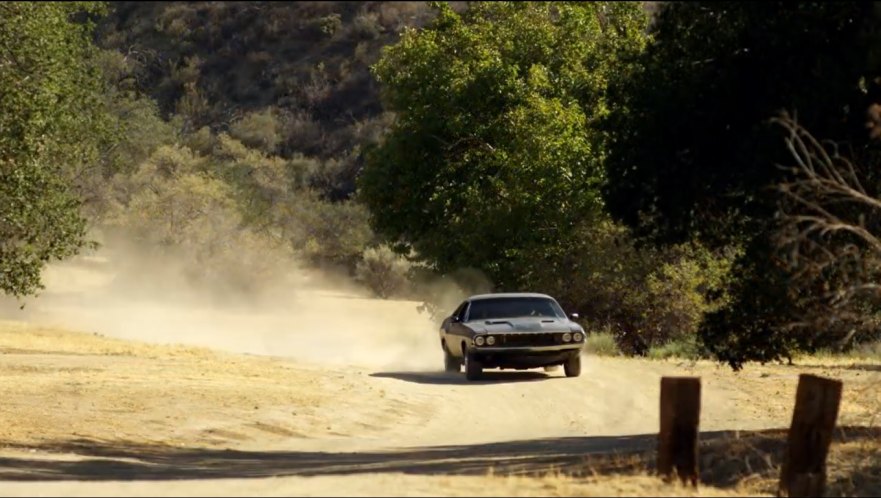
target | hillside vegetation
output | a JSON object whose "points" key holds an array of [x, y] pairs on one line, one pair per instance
{"points": [[287, 79]]}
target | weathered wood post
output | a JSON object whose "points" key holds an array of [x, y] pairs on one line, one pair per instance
{"points": [[680, 417], [813, 421]]}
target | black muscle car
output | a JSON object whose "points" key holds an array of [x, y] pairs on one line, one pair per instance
{"points": [[511, 330]]}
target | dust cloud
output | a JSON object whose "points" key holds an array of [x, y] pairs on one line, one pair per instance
{"points": [[126, 291]]}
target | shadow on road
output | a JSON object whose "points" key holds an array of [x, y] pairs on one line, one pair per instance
{"points": [[726, 456], [453, 378], [120, 460]]}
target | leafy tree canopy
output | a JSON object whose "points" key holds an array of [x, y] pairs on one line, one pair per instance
{"points": [[50, 127], [492, 155]]}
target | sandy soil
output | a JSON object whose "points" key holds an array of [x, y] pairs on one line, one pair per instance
{"points": [[322, 391]]}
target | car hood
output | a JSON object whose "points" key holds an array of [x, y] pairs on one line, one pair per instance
{"points": [[524, 324]]}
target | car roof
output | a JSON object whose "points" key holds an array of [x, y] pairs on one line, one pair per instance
{"points": [[479, 297]]}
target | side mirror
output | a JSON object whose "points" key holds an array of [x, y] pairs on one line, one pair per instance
{"points": [[573, 316], [454, 319]]}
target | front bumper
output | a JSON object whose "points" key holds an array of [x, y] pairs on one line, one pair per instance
{"points": [[573, 346], [523, 357]]}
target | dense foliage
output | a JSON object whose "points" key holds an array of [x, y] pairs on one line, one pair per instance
{"points": [[51, 128], [692, 152], [491, 160]]}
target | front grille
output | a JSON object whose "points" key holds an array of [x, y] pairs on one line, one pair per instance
{"points": [[529, 339]]}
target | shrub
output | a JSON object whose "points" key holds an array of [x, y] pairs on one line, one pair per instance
{"points": [[202, 141], [383, 272], [301, 132], [645, 296], [258, 130], [329, 24], [137, 118], [173, 206], [685, 347], [366, 26], [261, 181], [325, 234], [602, 344], [868, 350]]}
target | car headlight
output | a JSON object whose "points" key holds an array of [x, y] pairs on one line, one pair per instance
{"points": [[490, 340], [567, 337], [577, 337], [479, 340]]}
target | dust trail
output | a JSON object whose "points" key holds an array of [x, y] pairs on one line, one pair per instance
{"points": [[125, 292]]}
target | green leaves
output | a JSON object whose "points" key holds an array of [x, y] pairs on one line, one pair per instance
{"points": [[51, 124], [493, 156]]}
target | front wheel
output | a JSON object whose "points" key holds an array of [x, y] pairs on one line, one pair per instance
{"points": [[473, 368], [451, 363], [572, 367]]}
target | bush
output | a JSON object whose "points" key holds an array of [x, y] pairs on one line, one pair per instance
{"points": [[325, 234], [258, 130], [686, 347], [602, 344], [171, 207], [868, 350], [261, 180], [328, 25], [301, 132], [864, 351], [366, 26], [646, 297], [383, 272]]}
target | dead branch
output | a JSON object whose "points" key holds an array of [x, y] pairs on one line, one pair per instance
{"points": [[829, 236]]}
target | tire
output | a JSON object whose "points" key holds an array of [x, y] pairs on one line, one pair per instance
{"points": [[473, 368], [572, 367], [451, 363]]}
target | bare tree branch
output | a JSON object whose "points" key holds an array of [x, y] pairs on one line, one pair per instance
{"points": [[829, 238]]}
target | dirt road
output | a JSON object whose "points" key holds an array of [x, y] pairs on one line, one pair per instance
{"points": [[318, 392]]}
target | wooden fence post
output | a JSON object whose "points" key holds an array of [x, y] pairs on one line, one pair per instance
{"points": [[680, 417], [813, 421]]}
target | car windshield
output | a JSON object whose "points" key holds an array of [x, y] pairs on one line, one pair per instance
{"points": [[512, 307]]}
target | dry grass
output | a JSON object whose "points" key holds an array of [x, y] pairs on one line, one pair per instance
{"points": [[740, 464], [60, 385], [20, 337], [596, 485]]}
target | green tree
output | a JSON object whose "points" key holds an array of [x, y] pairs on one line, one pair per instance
{"points": [[51, 126], [493, 156], [692, 153]]}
